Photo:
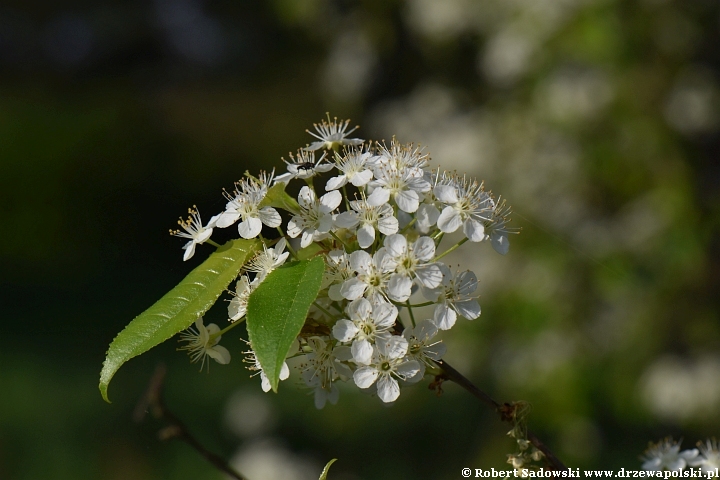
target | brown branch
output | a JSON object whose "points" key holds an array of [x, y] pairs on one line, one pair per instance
{"points": [[153, 401], [506, 410]]}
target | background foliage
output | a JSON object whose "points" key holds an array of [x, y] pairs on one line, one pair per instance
{"points": [[597, 119]]}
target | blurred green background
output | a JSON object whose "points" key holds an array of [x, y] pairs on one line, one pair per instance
{"points": [[598, 120]]}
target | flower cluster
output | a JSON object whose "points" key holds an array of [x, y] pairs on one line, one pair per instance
{"points": [[382, 251], [666, 455]]}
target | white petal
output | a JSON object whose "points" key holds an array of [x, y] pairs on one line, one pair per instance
{"points": [[295, 226], [335, 182], [396, 245], [330, 201], [220, 354], [306, 198], [469, 309], [388, 225], [334, 293], [500, 243], [378, 197], [323, 167], [189, 250], [449, 220], [250, 228], [361, 178], [227, 218], [284, 371], [388, 389], [427, 216], [284, 178], [408, 369], [264, 382], [360, 261], [474, 230], [365, 376], [385, 314], [204, 235], [344, 330], [270, 217], [365, 235], [307, 238], [425, 330], [393, 346], [399, 287], [407, 201], [444, 317], [424, 249], [446, 193], [466, 282], [347, 219], [360, 309], [429, 276], [353, 288], [362, 352]]}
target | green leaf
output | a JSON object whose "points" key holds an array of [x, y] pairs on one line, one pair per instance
{"points": [[178, 308], [277, 309], [323, 475], [277, 198]]}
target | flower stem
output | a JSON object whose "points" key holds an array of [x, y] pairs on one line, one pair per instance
{"points": [[226, 329], [214, 244], [338, 239], [504, 410], [347, 200], [410, 312], [324, 310], [287, 244], [407, 227], [451, 249]]}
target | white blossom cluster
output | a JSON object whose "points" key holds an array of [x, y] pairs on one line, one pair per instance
{"points": [[666, 455], [382, 246]]}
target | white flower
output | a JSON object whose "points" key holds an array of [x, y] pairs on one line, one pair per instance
{"points": [[331, 135], [412, 262], [454, 297], [353, 167], [254, 365], [367, 324], [667, 454], [337, 270], [420, 346], [373, 274], [369, 218], [401, 157], [388, 364], [303, 166], [468, 204], [497, 229], [200, 345], [709, 458], [244, 205], [404, 186], [315, 219], [237, 308], [322, 367], [194, 231], [268, 260]]}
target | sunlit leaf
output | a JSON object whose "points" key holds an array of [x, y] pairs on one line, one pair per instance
{"points": [[277, 309], [178, 308]]}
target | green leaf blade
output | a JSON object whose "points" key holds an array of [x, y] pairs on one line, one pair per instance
{"points": [[178, 308], [277, 309], [324, 474]]}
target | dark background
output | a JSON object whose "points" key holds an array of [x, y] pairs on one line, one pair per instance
{"points": [[597, 119]]}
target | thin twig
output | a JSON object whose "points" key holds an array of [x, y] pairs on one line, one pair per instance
{"points": [[153, 401], [449, 373]]}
